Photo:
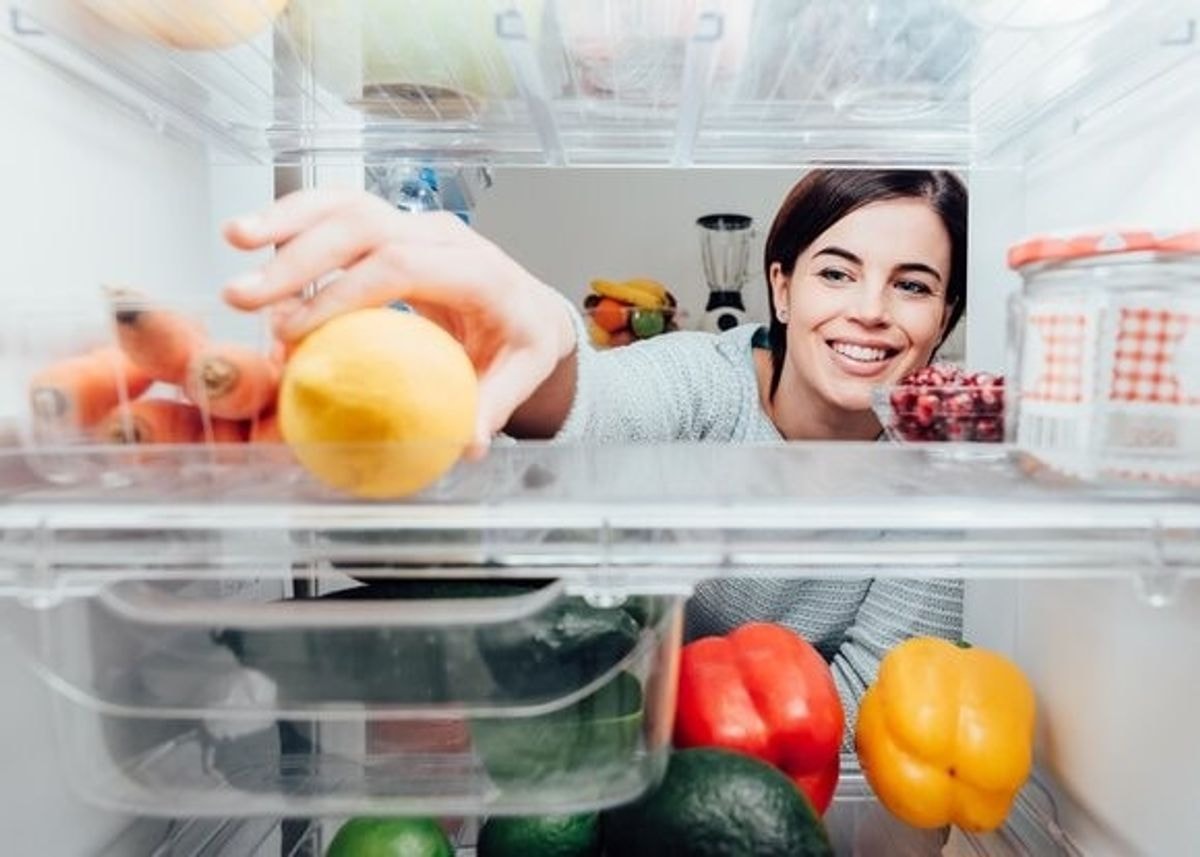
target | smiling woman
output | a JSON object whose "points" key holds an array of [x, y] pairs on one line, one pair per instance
{"points": [[866, 276], [866, 272]]}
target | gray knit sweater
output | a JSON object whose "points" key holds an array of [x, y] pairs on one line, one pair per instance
{"points": [[702, 387]]}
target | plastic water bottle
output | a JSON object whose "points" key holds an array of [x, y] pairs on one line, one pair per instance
{"points": [[407, 187]]}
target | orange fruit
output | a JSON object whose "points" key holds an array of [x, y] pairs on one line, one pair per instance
{"points": [[610, 315]]}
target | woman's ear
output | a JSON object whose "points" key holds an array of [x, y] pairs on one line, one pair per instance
{"points": [[780, 287]]}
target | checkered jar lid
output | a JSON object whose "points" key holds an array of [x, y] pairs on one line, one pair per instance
{"points": [[1067, 248]]}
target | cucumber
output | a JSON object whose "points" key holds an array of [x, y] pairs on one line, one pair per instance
{"points": [[554, 652], [574, 743]]}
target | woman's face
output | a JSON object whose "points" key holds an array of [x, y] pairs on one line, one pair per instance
{"points": [[866, 302]]}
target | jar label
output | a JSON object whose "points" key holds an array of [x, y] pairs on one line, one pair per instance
{"points": [[1155, 357], [1057, 357]]}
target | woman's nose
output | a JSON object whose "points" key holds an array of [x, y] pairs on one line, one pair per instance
{"points": [[870, 304]]}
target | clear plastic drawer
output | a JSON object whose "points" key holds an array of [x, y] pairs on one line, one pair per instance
{"points": [[410, 696]]}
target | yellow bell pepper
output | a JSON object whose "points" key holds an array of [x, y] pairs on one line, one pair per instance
{"points": [[945, 735]]}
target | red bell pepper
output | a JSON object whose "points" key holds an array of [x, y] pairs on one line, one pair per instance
{"points": [[764, 691]]}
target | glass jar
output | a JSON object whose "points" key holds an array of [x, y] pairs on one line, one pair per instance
{"points": [[1106, 355]]}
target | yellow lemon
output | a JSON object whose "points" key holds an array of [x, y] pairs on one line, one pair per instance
{"points": [[190, 24], [378, 402]]}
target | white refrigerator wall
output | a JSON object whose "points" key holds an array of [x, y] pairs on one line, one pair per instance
{"points": [[87, 194], [1119, 681]]}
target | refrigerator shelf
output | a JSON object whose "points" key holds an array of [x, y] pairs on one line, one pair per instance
{"points": [[857, 824], [642, 518], [918, 82]]}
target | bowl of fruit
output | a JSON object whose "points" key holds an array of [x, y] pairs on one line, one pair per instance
{"points": [[942, 402], [621, 312]]}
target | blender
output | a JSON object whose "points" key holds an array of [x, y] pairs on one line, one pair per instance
{"points": [[725, 252]]}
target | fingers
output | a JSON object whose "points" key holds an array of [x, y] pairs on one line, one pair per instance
{"points": [[477, 449], [445, 279], [319, 232], [372, 282], [336, 242], [506, 385], [286, 217], [281, 313]]}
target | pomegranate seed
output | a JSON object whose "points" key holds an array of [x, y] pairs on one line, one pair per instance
{"points": [[989, 430], [927, 408]]}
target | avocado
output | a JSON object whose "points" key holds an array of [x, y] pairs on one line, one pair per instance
{"points": [[716, 803]]}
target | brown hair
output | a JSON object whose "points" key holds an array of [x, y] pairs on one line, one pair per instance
{"points": [[823, 197]]}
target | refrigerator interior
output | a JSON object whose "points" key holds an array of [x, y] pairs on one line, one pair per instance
{"points": [[126, 157]]}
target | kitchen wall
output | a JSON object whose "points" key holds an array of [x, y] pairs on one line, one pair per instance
{"points": [[569, 226]]}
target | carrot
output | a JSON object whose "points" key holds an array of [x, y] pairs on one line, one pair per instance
{"points": [[266, 429], [230, 431], [152, 421], [77, 392], [226, 436], [230, 381], [158, 341]]}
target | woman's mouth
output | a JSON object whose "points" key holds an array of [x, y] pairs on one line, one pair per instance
{"points": [[860, 359], [863, 353]]}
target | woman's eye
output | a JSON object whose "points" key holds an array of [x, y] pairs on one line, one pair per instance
{"points": [[915, 287], [834, 275]]}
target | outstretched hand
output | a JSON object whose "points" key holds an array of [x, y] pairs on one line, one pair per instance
{"points": [[514, 328]]}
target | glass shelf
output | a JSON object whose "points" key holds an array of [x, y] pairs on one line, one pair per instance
{"points": [[639, 518], [856, 822], [901, 82]]}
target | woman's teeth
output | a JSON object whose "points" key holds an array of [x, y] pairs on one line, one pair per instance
{"points": [[861, 353]]}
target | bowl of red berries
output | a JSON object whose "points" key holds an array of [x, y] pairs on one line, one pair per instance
{"points": [[942, 402]]}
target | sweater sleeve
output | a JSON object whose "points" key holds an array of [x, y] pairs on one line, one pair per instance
{"points": [[674, 387], [893, 610]]}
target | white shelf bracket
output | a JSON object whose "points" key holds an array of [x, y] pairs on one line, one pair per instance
{"points": [[1159, 581], [531, 84], [1185, 37], [699, 63], [21, 25]]}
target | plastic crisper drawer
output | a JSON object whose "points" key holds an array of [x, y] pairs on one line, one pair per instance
{"points": [[408, 696], [857, 824]]}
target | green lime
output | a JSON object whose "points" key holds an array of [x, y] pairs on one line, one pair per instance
{"points": [[390, 837], [647, 322], [541, 836]]}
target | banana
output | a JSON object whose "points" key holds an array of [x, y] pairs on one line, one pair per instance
{"points": [[632, 292], [654, 287]]}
